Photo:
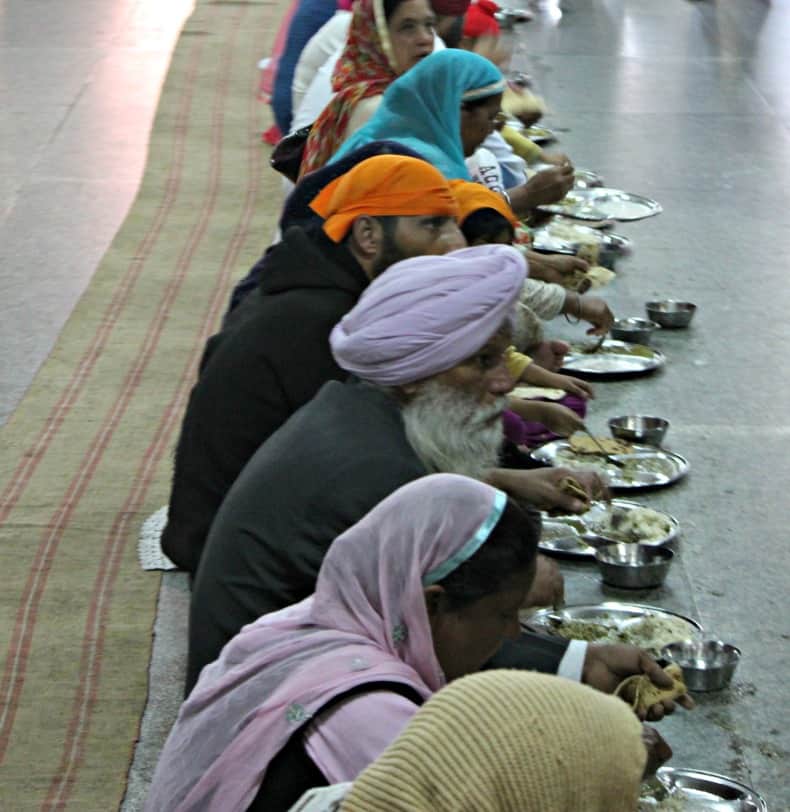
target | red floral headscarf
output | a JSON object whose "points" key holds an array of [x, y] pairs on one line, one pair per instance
{"points": [[365, 68]]}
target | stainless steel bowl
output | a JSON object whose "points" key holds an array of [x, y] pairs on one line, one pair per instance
{"points": [[633, 566], [671, 313], [519, 15], [506, 21], [639, 429], [708, 665], [637, 331], [612, 248], [508, 17], [586, 179]]}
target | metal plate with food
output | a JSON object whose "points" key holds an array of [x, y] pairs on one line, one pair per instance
{"points": [[601, 203], [613, 358], [586, 179], [562, 236], [648, 627], [644, 466], [620, 520], [682, 790]]}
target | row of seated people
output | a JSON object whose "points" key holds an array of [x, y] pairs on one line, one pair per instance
{"points": [[348, 493]]}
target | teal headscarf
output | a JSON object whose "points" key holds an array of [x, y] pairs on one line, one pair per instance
{"points": [[422, 108]]}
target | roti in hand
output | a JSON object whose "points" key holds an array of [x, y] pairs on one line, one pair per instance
{"points": [[596, 276], [641, 693], [579, 282], [572, 487], [599, 276], [530, 392]]}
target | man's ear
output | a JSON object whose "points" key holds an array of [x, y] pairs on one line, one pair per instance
{"points": [[434, 600], [367, 234], [406, 391]]}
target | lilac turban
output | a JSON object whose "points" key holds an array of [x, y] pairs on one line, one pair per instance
{"points": [[425, 315]]}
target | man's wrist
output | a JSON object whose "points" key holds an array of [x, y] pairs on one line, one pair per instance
{"points": [[573, 306]]}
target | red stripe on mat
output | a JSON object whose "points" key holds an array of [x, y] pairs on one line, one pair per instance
{"points": [[19, 646], [30, 461], [93, 645]]}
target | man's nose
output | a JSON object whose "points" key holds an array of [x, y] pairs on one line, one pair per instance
{"points": [[426, 36], [454, 237]]}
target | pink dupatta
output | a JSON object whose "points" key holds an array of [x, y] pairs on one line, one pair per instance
{"points": [[366, 622]]}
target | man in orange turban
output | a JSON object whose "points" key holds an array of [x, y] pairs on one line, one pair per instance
{"points": [[475, 197], [275, 356]]}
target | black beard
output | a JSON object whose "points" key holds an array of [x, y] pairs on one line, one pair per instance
{"points": [[390, 254]]}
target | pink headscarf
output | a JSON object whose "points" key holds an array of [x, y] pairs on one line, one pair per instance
{"points": [[427, 314], [366, 622]]}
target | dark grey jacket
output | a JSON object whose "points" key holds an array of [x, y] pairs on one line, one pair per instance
{"points": [[329, 465]]}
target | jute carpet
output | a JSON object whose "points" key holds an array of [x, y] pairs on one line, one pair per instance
{"points": [[87, 455]]}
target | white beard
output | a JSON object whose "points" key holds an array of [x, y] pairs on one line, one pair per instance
{"points": [[451, 433]]}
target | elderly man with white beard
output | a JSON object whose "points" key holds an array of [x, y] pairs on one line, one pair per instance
{"points": [[426, 344]]}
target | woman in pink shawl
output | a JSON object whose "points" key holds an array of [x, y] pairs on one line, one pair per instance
{"points": [[421, 591]]}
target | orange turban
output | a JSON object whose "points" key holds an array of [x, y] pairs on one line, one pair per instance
{"points": [[383, 186], [472, 196]]}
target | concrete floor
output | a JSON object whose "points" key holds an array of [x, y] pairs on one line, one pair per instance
{"points": [[687, 102]]}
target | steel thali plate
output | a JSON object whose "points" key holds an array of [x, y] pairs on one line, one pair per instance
{"points": [[619, 616], [619, 613], [577, 536], [587, 179], [700, 791], [613, 358], [601, 203], [646, 465], [565, 237]]}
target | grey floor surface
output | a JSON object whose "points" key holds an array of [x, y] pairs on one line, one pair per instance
{"points": [[688, 102], [79, 84]]}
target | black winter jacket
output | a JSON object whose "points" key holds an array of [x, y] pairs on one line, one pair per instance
{"points": [[268, 361]]}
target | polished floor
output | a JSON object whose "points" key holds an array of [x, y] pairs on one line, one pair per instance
{"points": [[79, 84], [685, 101], [689, 103]]}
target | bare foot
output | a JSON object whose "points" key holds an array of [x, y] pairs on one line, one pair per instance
{"points": [[549, 354]]}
